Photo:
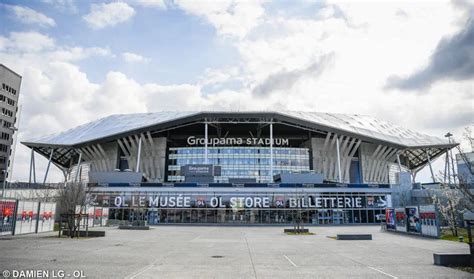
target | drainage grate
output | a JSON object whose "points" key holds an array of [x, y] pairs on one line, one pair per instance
{"points": [[217, 256]]}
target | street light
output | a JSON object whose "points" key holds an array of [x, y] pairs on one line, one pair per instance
{"points": [[14, 129], [449, 153]]}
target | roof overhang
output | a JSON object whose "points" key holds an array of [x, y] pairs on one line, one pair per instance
{"points": [[64, 152]]}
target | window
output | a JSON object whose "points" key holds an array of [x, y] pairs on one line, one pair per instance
{"points": [[3, 147], [4, 136], [8, 89], [240, 162], [7, 112]]}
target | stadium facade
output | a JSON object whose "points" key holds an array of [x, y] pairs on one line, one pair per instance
{"points": [[241, 167]]}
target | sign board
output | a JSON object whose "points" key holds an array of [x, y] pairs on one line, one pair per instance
{"points": [[390, 218], [195, 141], [185, 201], [26, 217], [428, 220], [200, 170], [415, 220]]}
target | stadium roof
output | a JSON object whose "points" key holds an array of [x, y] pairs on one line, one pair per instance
{"points": [[119, 124], [366, 128]]}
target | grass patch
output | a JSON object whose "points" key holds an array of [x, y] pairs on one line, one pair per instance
{"points": [[331, 237], [447, 235], [293, 233]]}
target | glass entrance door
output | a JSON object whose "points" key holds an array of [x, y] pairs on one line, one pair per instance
{"points": [[324, 217]]}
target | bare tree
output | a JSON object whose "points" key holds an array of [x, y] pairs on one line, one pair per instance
{"points": [[453, 199], [463, 185], [448, 202], [72, 200]]}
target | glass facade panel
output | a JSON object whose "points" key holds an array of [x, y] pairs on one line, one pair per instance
{"points": [[239, 162], [315, 208]]}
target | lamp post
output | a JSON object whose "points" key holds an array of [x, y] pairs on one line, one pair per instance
{"points": [[6, 164]]}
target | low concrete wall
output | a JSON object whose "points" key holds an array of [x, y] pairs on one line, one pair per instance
{"points": [[89, 233], [140, 228], [296, 230], [452, 259], [354, 237]]}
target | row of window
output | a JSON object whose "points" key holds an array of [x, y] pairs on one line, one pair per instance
{"points": [[238, 162], [8, 89], [248, 216], [242, 161], [7, 112], [239, 150], [5, 123], [3, 148], [4, 136], [9, 101]]}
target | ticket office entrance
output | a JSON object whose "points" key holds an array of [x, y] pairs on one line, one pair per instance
{"points": [[155, 216]]}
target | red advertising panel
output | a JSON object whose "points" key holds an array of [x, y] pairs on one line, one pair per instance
{"points": [[390, 218], [7, 215], [429, 222], [26, 217]]}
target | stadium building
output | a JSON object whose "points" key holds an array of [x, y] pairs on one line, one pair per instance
{"points": [[241, 167]]}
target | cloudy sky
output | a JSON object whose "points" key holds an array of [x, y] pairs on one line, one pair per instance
{"points": [[411, 63]]}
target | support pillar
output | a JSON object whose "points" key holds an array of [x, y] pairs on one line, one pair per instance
{"points": [[206, 138], [34, 168], [446, 167], [339, 178], [399, 164], [431, 167], [49, 164], [452, 165], [139, 153], [271, 152], [78, 166], [32, 165]]}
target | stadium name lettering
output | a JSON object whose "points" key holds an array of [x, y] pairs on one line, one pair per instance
{"points": [[237, 141], [238, 202]]}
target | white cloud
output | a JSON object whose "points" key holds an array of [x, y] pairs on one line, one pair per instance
{"points": [[26, 42], [152, 3], [29, 16], [105, 15], [234, 18], [33, 49], [131, 57], [63, 5], [368, 43], [218, 76]]}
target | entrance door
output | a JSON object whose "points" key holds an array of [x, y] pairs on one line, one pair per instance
{"points": [[236, 216], [338, 216], [153, 217], [324, 217]]}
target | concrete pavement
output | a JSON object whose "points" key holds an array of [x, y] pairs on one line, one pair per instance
{"points": [[232, 252]]}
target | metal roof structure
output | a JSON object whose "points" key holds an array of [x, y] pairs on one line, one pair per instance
{"points": [[366, 128]]}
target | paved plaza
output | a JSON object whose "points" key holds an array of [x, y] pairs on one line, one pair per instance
{"points": [[232, 252]]}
